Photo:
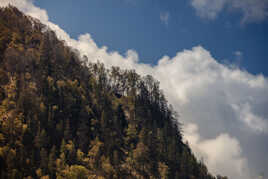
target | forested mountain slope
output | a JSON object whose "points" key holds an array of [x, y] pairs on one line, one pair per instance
{"points": [[64, 118]]}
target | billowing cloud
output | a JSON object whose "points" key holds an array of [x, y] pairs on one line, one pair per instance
{"points": [[252, 10], [164, 17], [223, 108], [215, 153]]}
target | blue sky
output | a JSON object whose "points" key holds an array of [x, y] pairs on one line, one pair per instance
{"points": [[136, 24]]}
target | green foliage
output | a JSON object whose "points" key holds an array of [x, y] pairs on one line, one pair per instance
{"points": [[61, 118]]}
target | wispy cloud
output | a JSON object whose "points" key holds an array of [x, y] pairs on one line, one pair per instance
{"points": [[238, 53], [238, 56], [224, 110], [252, 10], [165, 17]]}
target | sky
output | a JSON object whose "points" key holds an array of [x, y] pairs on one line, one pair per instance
{"points": [[209, 56], [155, 28]]}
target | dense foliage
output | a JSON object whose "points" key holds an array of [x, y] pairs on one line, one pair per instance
{"points": [[64, 118]]}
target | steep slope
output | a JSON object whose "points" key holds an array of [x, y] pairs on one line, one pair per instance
{"points": [[64, 118]]}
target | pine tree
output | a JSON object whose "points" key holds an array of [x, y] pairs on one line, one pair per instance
{"points": [[43, 160], [51, 161]]}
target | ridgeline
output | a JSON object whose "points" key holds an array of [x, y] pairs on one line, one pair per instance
{"points": [[61, 117]]}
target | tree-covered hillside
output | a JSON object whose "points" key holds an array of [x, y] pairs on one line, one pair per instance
{"points": [[62, 117]]}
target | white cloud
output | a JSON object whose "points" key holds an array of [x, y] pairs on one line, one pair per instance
{"points": [[164, 17], [246, 115], [225, 105], [252, 10], [222, 154], [208, 8]]}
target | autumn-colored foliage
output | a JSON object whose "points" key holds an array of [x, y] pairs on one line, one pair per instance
{"points": [[61, 118]]}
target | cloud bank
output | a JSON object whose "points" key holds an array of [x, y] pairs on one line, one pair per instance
{"points": [[251, 10], [223, 108], [217, 155]]}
